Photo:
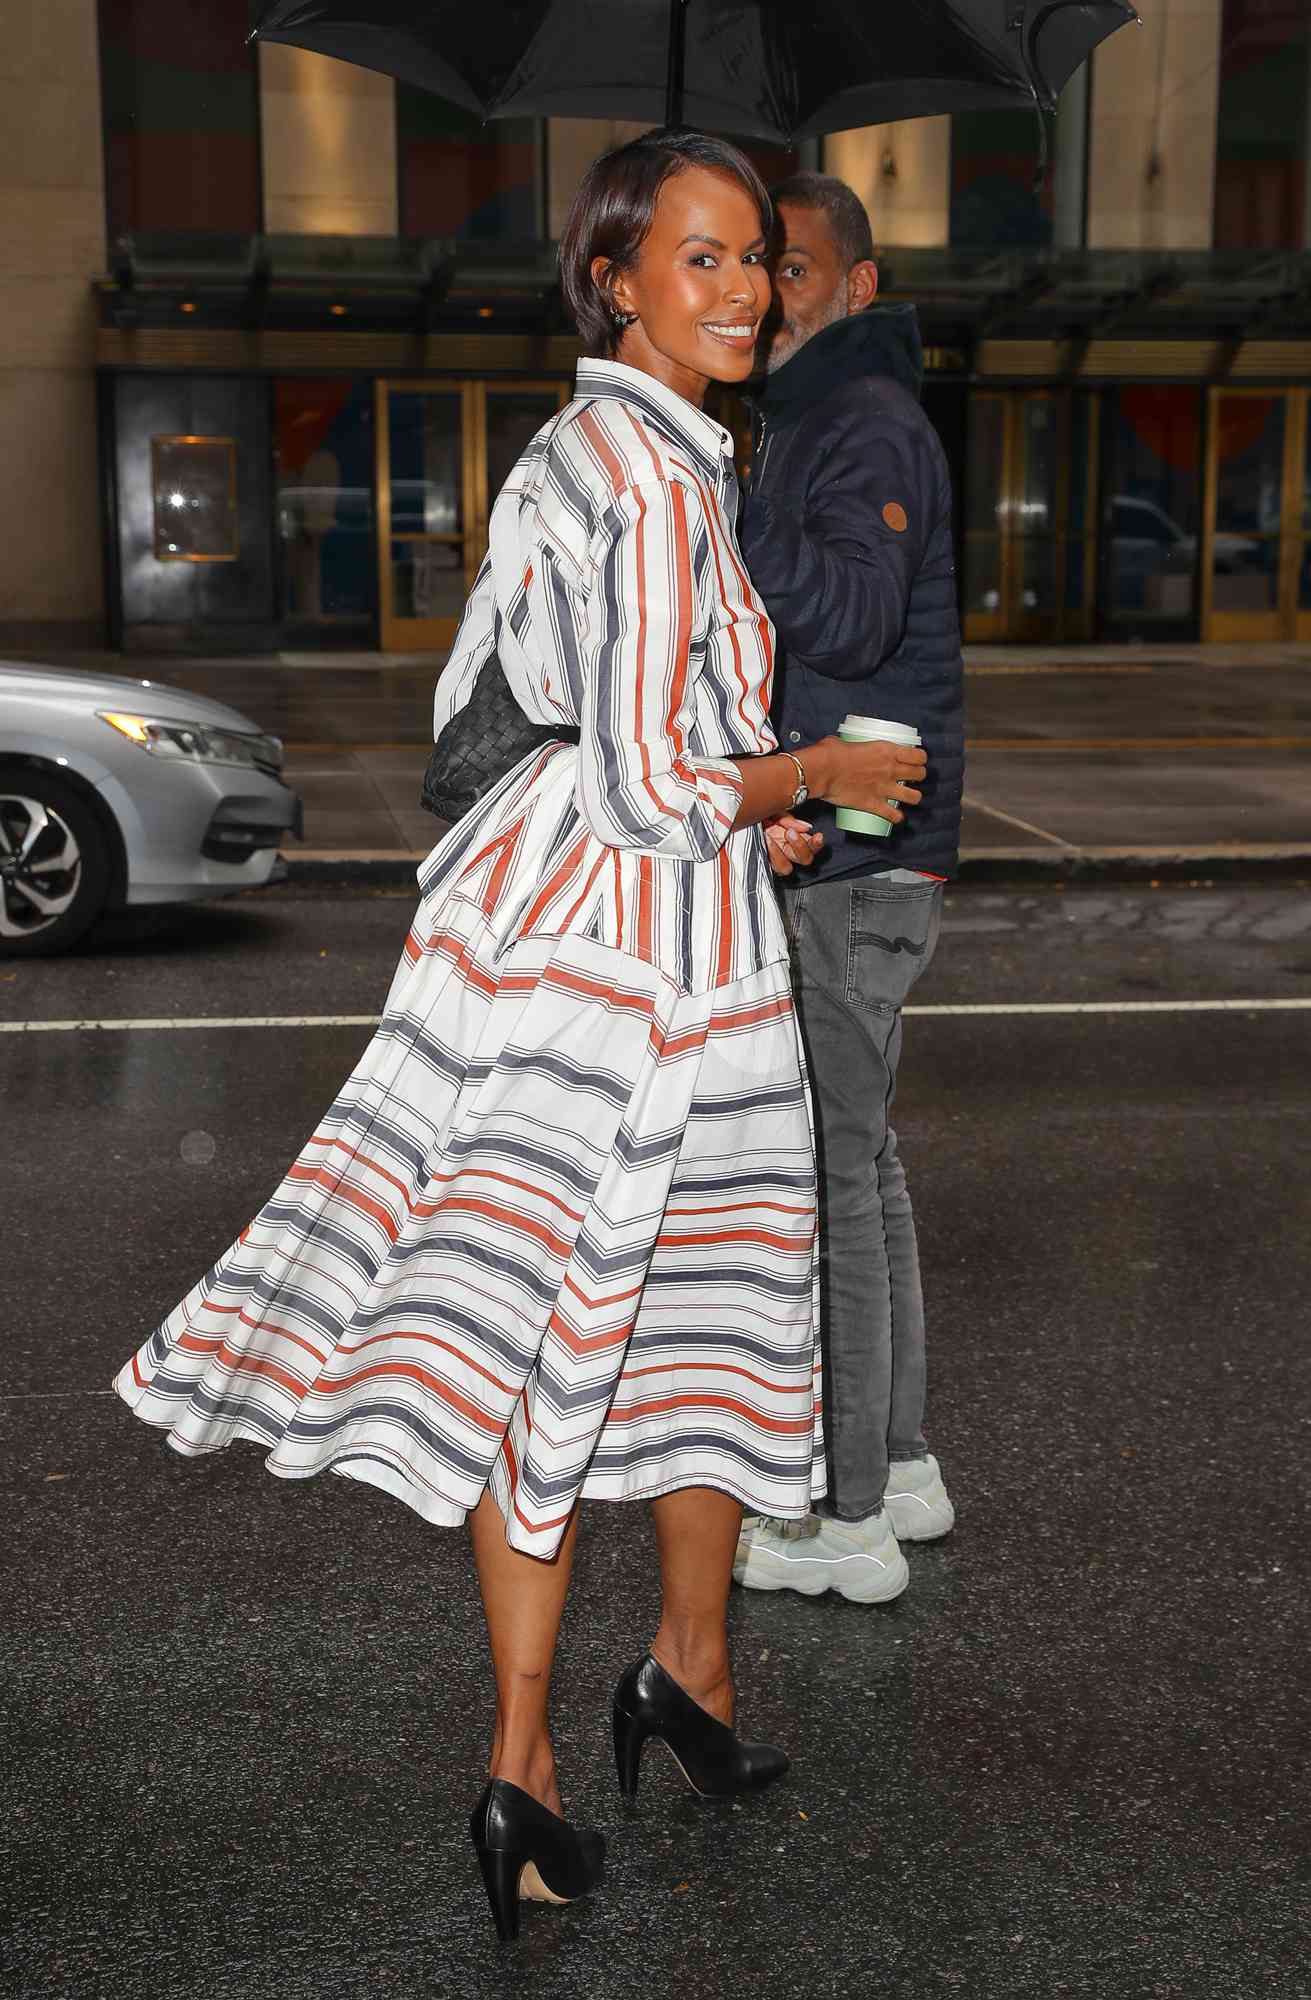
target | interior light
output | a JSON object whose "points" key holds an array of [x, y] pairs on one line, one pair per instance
{"points": [[484, 312], [337, 312], [188, 305], [177, 499]]}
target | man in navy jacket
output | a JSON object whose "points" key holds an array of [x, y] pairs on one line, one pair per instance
{"points": [[847, 533]]}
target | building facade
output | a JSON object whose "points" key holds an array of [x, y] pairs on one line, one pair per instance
{"points": [[273, 328]]}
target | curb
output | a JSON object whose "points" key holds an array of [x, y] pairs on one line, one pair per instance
{"points": [[989, 867]]}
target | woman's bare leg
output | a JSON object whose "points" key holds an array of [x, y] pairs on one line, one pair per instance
{"points": [[697, 1530], [523, 1598]]}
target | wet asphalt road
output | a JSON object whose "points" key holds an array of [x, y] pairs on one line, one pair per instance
{"points": [[242, 1718]]}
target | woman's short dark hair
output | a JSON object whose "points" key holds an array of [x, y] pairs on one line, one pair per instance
{"points": [[612, 212]]}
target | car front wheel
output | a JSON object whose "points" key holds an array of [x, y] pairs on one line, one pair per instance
{"points": [[54, 864]]}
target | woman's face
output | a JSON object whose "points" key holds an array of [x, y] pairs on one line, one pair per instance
{"points": [[699, 287]]}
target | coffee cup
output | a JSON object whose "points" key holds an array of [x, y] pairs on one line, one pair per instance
{"points": [[872, 729]]}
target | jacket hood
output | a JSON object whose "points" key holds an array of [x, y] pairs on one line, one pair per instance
{"points": [[882, 340]]}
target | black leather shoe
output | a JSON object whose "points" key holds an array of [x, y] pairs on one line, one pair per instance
{"points": [[648, 1705], [524, 1850]]}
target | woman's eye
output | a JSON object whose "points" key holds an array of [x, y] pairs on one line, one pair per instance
{"points": [[704, 257]]}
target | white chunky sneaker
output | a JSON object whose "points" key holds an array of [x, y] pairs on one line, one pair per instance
{"points": [[916, 1500], [858, 1559]]}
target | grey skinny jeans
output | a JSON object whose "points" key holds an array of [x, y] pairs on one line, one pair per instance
{"points": [[857, 949]]}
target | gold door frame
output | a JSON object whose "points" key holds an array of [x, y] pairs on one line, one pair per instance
{"points": [[1285, 621], [438, 634], [1010, 621], [983, 627]]}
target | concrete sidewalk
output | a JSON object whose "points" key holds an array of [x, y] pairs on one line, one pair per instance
{"points": [[1118, 762]]}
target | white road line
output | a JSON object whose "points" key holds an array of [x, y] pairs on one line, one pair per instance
{"points": [[49, 1395], [167, 1024], [1026, 826], [1122, 1007]]}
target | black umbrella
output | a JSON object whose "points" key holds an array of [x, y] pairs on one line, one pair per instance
{"points": [[765, 69]]}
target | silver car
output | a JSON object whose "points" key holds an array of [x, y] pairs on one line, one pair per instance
{"points": [[118, 792]]}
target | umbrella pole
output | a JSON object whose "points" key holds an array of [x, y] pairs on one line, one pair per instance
{"points": [[677, 53]]}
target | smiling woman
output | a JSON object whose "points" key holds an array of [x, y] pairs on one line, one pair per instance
{"points": [[555, 1238], [663, 260]]}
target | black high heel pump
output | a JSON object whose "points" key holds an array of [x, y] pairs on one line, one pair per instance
{"points": [[524, 1850], [650, 1706]]}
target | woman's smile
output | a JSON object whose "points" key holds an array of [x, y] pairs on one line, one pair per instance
{"points": [[698, 290], [733, 333]]}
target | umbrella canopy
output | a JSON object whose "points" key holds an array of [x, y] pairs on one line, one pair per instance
{"points": [[765, 69]]}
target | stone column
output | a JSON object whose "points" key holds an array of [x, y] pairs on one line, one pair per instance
{"points": [[52, 244], [328, 137], [902, 173], [1070, 169], [1155, 97]]}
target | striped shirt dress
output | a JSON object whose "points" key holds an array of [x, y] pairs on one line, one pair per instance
{"points": [[556, 1236]]}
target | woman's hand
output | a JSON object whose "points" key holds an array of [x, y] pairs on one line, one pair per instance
{"points": [[791, 843], [873, 777]]}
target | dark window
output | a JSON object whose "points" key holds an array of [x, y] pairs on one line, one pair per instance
{"points": [[461, 177], [181, 110], [1153, 508], [994, 157], [323, 452], [1261, 137]]}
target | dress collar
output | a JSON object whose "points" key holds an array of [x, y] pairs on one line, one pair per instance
{"points": [[708, 442]]}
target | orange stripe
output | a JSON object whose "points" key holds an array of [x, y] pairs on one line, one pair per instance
{"points": [[615, 468], [504, 1180], [454, 949], [662, 1405], [513, 1219], [747, 1017], [607, 1299], [586, 1343], [724, 960], [429, 1340], [643, 437], [592, 873], [735, 1208], [512, 1465], [668, 1046], [645, 907], [715, 539], [557, 883], [613, 996], [709, 1238], [717, 1368], [410, 1372], [337, 1185], [637, 726], [241, 1364], [682, 611]]}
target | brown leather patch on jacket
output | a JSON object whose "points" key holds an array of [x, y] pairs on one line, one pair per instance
{"points": [[894, 514]]}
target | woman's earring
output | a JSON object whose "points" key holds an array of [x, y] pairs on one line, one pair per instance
{"points": [[624, 319]]}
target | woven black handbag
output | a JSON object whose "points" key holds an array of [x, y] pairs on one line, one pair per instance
{"points": [[481, 742]]}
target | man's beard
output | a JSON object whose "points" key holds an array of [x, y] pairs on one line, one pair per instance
{"points": [[789, 336]]}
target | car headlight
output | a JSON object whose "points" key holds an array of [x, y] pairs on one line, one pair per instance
{"points": [[198, 742]]}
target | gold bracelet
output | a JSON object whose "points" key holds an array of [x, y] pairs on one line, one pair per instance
{"points": [[802, 793]]}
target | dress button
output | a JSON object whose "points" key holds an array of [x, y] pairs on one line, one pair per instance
{"points": [[794, 736]]}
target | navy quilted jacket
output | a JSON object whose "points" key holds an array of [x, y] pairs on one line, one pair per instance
{"points": [[847, 534]]}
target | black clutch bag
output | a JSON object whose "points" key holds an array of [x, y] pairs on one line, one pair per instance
{"points": [[481, 742]]}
